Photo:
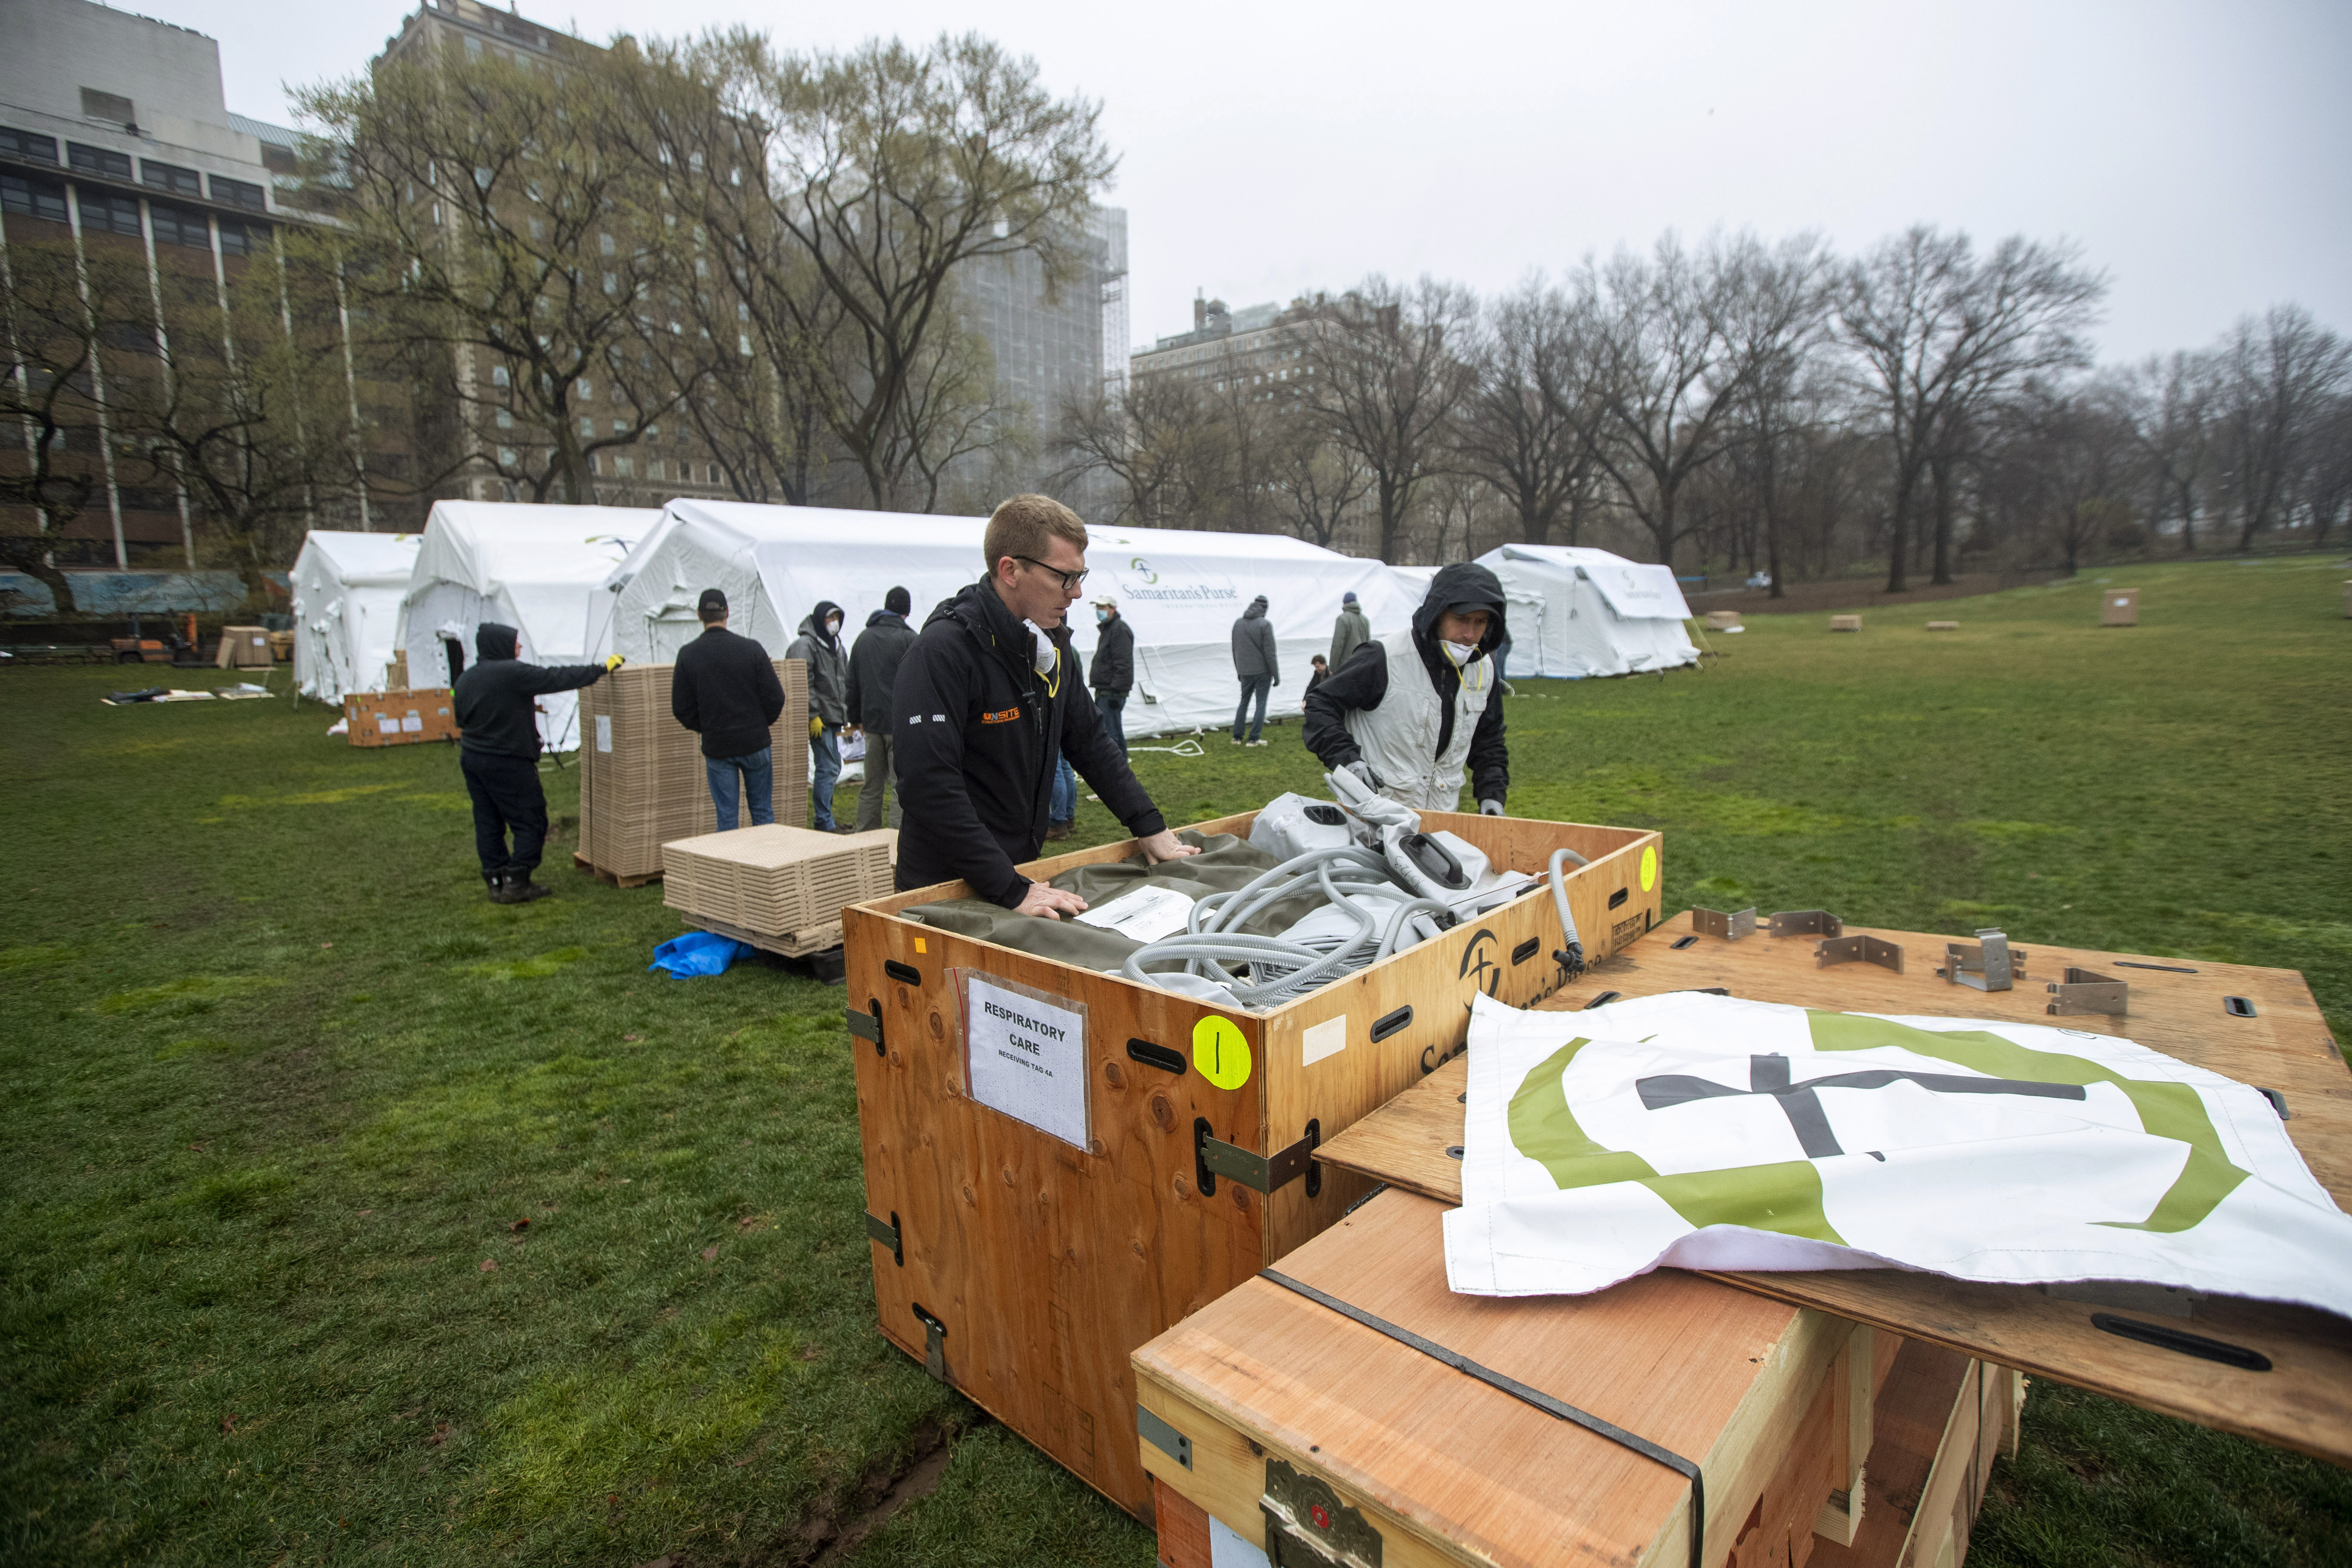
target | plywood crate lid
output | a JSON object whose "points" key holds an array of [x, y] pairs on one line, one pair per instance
{"points": [[1709, 1373]]}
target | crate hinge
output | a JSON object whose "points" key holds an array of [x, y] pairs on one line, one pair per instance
{"points": [[886, 1231], [1259, 1172], [1163, 1436], [865, 1027]]}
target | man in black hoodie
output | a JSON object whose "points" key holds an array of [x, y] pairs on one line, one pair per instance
{"points": [[724, 688], [1407, 711], [987, 702], [499, 753], [874, 662]]}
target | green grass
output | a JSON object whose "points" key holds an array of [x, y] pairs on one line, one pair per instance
{"points": [[280, 1083]]}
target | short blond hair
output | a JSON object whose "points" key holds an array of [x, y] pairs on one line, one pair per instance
{"points": [[1021, 525]]}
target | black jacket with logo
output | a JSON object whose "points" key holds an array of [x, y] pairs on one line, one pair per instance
{"points": [[724, 688], [1115, 656], [493, 700], [977, 731]]}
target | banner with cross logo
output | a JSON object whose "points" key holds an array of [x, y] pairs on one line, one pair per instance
{"points": [[1709, 1133]]}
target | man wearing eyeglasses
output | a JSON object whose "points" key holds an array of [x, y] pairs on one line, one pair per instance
{"points": [[986, 703]]}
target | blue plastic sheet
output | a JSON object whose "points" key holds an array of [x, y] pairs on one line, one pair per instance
{"points": [[698, 952]]}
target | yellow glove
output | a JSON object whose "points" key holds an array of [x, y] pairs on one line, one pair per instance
{"points": [[817, 729], [614, 663]]}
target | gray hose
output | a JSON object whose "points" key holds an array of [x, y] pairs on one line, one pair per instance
{"points": [[1570, 957]]}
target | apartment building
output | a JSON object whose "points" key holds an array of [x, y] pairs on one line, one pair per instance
{"points": [[1255, 351]]}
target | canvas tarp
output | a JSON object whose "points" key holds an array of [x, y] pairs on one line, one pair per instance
{"points": [[1575, 611], [1702, 1131], [347, 593], [540, 569], [1180, 591]]}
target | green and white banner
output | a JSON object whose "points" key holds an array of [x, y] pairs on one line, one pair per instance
{"points": [[1709, 1132]]}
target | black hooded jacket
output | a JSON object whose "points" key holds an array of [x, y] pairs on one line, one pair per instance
{"points": [[1363, 680], [976, 731], [874, 669], [493, 700]]}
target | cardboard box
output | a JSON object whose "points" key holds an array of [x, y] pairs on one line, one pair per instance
{"points": [[1845, 623], [1943, 625], [245, 647], [1024, 1265], [1722, 620], [2120, 606], [399, 718]]}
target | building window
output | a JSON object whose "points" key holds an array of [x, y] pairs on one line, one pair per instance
{"points": [[506, 456], [654, 468], [278, 160], [97, 161], [170, 177], [604, 245], [180, 226], [620, 427], [626, 467], [241, 193], [499, 377], [97, 105], [473, 48], [241, 239], [587, 428], [587, 390], [505, 419], [33, 197], [743, 344], [612, 283], [32, 149], [714, 473], [109, 213]]}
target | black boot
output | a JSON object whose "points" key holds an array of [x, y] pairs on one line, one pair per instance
{"points": [[497, 881], [520, 888]]}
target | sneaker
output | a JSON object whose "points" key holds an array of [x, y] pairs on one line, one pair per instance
{"points": [[1257, 742], [1237, 739]]}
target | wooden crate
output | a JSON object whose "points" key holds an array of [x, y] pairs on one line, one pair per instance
{"points": [[1024, 1269], [1270, 1402], [1845, 623], [399, 718], [1722, 620], [2120, 606]]}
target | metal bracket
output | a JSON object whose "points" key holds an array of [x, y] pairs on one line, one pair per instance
{"points": [[1307, 1525], [935, 1350], [1163, 1436], [887, 1232], [1988, 964], [865, 1027], [2086, 992], [1259, 1172], [1807, 922], [1858, 950], [1731, 928]]}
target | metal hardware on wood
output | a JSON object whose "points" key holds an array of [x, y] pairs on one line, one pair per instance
{"points": [[1163, 1436], [2236, 1006], [887, 1232], [1526, 951], [1314, 1171], [2278, 1102], [1858, 950], [1153, 1056], [1204, 1177], [1388, 1024], [2167, 968], [935, 1350], [1807, 922], [1988, 964], [904, 974], [1681, 942], [2179, 1339], [1259, 1172], [1603, 1000], [1307, 1524], [1731, 927], [2086, 992], [1617, 899], [868, 1026]]}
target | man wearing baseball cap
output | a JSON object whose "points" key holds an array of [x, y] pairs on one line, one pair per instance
{"points": [[1114, 675], [724, 688]]}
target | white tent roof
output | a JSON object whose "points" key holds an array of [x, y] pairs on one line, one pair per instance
{"points": [[347, 589], [1576, 612], [1180, 590], [1636, 590], [540, 569]]}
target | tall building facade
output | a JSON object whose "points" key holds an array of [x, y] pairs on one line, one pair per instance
{"points": [[1255, 349]]}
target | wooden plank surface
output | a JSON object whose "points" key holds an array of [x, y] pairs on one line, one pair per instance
{"points": [[2304, 1404]]}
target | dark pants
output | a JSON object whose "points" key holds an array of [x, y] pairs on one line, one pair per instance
{"points": [[1112, 706], [505, 796], [1261, 685]]}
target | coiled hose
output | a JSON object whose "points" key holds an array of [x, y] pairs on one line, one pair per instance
{"points": [[1570, 957]]}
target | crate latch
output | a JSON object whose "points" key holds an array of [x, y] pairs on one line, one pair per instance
{"points": [[1859, 949], [1807, 922], [1730, 926], [1988, 964], [867, 1026], [1259, 1172], [1306, 1525], [886, 1231], [935, 1349], [1163, 1436], [2085, 991]]}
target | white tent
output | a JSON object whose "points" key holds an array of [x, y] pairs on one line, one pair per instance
{"points": [[1416, 580], [1576, 612], [1180, 590], [347, 589], [541, 569]]}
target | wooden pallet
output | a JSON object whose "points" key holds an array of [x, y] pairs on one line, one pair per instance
{"points": [[2176, 1007], [611, 880]]}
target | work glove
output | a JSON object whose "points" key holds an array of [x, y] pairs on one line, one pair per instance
{"points": [[817, 729], [1363, 770], [1490, 808], [614, 662]]}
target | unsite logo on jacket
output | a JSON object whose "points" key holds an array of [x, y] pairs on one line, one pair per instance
{"points": [[1002, 716]]}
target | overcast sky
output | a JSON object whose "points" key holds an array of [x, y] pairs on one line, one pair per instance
{"points": [[2197, 153]]}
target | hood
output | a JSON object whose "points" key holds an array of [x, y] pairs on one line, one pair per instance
{"points": [[1256, 608], [492, 640], [814, 623], [978, 610], [879, 617], [1467, 584]]}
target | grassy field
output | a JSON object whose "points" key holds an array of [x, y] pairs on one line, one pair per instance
{"points": [[346, 1217]]}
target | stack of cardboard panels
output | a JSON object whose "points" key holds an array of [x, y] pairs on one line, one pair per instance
{"points": [[399, 718], [245, 647], [641, 775], [776, 887]]}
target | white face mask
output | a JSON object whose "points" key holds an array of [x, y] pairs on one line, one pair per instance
{"points": [[1044, 655], [1460, 653], [833, 627]]}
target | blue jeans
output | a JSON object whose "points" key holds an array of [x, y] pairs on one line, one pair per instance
{"points": [[758, 771], [1064, 807], [1261, 684], [826, 750], [1112, 706]]}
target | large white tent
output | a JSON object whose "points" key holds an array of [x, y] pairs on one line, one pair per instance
{"points": [[347, 589], [540, 569], [1575, 611], [1180, 591]]}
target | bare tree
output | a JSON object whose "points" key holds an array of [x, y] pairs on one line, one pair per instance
{"points": [[1315, 485], [2171, 400], [1159, 437], [1773, 309], [2276, 377], [1526, 424], [59, 316], [1384, 381], [1941, 334]]}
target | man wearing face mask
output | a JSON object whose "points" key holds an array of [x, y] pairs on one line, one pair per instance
{"points": [[1114, 668], [988, 702], [819, 645], [1410, 712]]}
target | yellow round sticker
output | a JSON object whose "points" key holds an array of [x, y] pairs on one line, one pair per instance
{"points": [[1220, 1052], [1649, 867]]}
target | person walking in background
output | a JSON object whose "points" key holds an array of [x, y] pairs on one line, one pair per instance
{"points": [[1349, 632], [819, 647], [498, 751], [724, 689], [1318, 672], [873, 671], [1062, 811], [1254, 667], [1114, 668]]}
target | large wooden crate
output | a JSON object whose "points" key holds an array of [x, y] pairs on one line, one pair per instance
{"points": [[398, 718], [1022, 1268]]}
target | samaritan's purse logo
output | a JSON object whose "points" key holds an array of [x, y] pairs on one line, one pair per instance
{"points": [[1478, 960], [1142, 568]]}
